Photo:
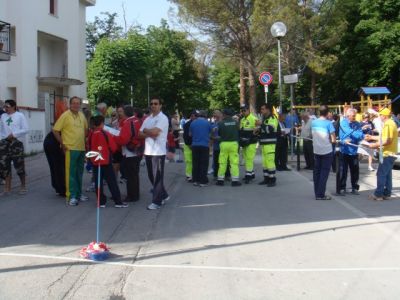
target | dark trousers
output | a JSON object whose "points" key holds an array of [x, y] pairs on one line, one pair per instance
{"points": [[200, 158], [107, 173], [349, 162], [131, 166], [281, 152], [308, 153], [155, 171], [322, 166], [56, 159]]}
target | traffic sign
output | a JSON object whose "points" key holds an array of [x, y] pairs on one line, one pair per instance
{"points": [[265, 78]]}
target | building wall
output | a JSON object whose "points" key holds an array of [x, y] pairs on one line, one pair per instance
{"points": [[30, 18]]}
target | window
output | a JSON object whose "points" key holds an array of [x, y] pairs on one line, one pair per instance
{"points": [[13, 43], [53, 7]]}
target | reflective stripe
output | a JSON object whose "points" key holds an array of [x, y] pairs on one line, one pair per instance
{"points": [[247, 129], [268, 140]]}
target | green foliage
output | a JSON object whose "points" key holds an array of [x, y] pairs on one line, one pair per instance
{"points": [[165, 54], [224, 85]]}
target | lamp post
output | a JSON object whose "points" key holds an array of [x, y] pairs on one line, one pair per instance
{"points": [[278, 31], [148, 76]]}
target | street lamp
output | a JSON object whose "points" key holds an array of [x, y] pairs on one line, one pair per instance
{"points": [[148, 76], [278, 31]]}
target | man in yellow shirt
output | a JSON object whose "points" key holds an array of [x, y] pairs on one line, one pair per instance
{"points": [[389, 142], [70, 130]]}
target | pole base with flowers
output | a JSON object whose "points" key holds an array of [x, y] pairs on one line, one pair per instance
{"points": [[96, 250]]}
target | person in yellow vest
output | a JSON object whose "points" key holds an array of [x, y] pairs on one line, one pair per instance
{"points": [[389, 143], [268, 134], [248, 140]]}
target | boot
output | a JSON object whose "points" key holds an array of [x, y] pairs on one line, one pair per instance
{"points": [[272, 182], [265, 181], [236, 183], [220, 182], [247, 179]]}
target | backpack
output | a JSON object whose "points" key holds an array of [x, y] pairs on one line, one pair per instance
{"points": [[138, 149]]}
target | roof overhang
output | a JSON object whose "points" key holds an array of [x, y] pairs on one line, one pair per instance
{"points": [[89, 2], [375, 90], [59, 81]]}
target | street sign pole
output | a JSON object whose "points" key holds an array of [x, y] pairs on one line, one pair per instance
{"points": [[266, 93]]}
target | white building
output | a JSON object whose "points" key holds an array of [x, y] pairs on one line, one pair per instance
{"points": [[47, 43]]}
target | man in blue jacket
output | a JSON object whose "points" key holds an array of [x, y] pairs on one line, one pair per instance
{"points": [[350, 134]]}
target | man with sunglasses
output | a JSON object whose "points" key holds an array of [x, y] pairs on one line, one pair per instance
{"points": [[155, 130], [14, 127]]}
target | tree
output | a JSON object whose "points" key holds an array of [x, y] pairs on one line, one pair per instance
{"points": [[224, 84], [101, 28], [228, 23]]}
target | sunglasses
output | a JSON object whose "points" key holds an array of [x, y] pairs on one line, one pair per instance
{"points": [[154, 103]]}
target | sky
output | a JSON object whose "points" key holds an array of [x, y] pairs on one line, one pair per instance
{"points": [[138, 12]]}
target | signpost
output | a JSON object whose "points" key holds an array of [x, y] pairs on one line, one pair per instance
{"points": [[265, 79], [292, 80]]}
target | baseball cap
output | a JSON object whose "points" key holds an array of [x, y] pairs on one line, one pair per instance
{"points": [[228, 112], [244, 107], [385, 112]]}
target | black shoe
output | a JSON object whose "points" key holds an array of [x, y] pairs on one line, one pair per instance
{"points": [[265, 181], [236, 183], [272, 182], [286, 169], [220, 182], [121, 205], [323, 198], [355, 192]]}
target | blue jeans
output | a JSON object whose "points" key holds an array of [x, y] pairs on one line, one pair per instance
{"points": [[322, 167], [384, 177]]}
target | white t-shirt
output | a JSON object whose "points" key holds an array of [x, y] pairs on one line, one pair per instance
{"points": [[158, 145], [15, 123]]}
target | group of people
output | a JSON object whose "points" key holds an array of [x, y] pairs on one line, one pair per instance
{"points": [[226, 135], [134, 136], [121, 145], [320, 136]]}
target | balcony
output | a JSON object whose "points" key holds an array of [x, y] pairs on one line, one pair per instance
{"points": [[5, 43], [89, 2]]}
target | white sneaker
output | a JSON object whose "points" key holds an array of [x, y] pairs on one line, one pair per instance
{"points": [[83, 198], [371, 169], [73, 202], [153, 206]]}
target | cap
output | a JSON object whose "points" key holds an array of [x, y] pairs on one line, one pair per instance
{"points": [[385, 112], [228, 112], [244, 107], [195, 112]]}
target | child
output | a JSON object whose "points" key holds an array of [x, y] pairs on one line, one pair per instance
{"points": [[103, 142], [171, 145]]}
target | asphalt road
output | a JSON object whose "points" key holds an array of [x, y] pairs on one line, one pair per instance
{"points": [[249, 242]]}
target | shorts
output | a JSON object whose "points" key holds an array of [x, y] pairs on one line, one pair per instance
{"points": [[117, 157], [171, 149], [11, 151]]}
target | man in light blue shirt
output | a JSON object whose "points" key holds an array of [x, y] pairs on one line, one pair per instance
{"points": [[323, 134]]}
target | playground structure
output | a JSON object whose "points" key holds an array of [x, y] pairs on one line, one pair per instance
{"points": [[370, 97]]}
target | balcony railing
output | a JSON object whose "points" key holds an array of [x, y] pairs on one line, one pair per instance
{"points": [[5, 43]]}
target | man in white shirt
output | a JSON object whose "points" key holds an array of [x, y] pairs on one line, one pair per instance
{"points": [[307, 141], [155, 130], [13, 128]]}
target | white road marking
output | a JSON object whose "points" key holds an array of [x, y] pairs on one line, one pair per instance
{"points": [[203, 205], [206, 268]]}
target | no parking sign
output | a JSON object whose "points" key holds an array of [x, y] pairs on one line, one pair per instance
{"points": [[265, 78]]}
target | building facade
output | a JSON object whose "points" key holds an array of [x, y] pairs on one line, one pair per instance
{"points": [[47, 62]]}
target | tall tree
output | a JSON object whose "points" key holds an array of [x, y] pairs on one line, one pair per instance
{"points": [[228, 23]]}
